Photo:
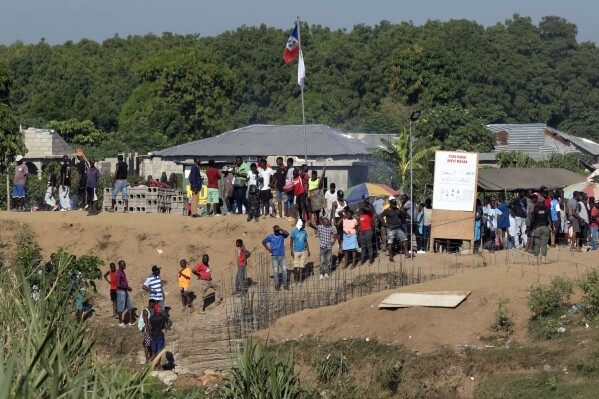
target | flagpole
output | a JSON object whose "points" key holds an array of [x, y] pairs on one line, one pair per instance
{"points": [[299, 39]]}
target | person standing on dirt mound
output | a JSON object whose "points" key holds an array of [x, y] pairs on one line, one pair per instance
{"points": [[123, 300], [204, 273], [299, 250], [153, 285], [159, 323], [184, 282], [277, 250], [120, 183]]}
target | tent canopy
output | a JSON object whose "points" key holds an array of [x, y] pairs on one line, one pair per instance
{"points": [[515, 179]]}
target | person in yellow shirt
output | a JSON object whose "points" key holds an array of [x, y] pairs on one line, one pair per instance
{"points": [[184, 281]]}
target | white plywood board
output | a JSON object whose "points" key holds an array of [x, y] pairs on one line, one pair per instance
{"points": [[435, 299]]}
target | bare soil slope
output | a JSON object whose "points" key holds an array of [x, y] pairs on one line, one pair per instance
{"points": [[428, 329]]}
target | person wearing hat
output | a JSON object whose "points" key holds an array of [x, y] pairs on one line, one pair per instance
{"points": [[93, 181], [159, 323], [153, 285], [20, 182], [392, 218], [337, 213], [64, 190], [300, 250], [82, 166]]}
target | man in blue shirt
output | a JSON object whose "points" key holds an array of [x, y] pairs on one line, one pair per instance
{"points": [[277, 250], [299, 250], [503, 220]]}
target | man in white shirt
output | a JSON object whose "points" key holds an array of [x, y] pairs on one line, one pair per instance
{"points": [[329, 197], [265, 187], [511, 232]]}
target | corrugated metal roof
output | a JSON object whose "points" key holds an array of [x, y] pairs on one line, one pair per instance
{"points": [[537, 139], [257, 140], [515, 179]]}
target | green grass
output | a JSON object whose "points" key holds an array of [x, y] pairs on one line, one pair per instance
{"points": [[540, 385]]}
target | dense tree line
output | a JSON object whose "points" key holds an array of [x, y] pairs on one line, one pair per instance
{"points": [[148, 92]]}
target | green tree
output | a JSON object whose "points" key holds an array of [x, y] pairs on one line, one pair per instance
{"points": [[183, 96], [397, 154], [77, 132], [11, 142]]}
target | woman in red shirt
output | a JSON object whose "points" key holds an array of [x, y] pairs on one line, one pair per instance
{"points": [[299, 194], [365, 235]]}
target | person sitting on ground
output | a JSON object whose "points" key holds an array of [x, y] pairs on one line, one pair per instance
{"points": [[204, 274], [159, 323], [155, 183], [184, 282]]}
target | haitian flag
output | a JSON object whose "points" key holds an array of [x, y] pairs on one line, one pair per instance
{"points": [[292, 47]]}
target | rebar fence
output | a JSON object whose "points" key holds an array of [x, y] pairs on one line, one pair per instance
{"points": [[262, 305]]}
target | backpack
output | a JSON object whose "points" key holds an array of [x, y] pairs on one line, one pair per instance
{"points": [[140, 322]]}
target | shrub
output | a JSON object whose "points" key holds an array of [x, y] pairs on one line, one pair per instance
{"points": [[46, 354], [503, 319], [543, 300], [331, 366], [548, 327], [589, 283], [392, 376], [260, 375]]}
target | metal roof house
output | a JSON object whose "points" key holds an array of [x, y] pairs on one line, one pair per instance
{"points": [[346, 156], [539, 140]]}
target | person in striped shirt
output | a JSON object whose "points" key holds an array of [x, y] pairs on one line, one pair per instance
{"points": [[153, 285]]}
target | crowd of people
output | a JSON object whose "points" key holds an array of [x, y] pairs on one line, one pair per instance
{"points": [[535, 220], [154, 319]]}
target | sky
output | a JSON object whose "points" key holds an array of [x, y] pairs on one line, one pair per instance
{"points": [[58, 21]]}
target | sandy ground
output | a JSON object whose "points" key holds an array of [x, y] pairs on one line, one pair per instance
{"points": [[137, 238], [428, 329]]}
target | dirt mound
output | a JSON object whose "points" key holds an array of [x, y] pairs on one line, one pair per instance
{"points": [[428, 329]]}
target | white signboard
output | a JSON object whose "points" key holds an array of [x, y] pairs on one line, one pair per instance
{"points": [[455, 180]]}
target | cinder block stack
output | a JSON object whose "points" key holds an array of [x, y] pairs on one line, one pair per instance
{"points": [[107, 203], [148, 200], [164, 200], [179, 203]]}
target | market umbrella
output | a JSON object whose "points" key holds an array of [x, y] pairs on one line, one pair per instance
{"points": [[591, 189], [354, 194]]}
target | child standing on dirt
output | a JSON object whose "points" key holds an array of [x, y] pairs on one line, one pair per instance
{"points": [[242, 257], [184, 281]]}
